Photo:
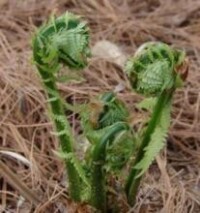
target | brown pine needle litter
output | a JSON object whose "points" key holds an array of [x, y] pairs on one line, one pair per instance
{"points": [[172, 184]]}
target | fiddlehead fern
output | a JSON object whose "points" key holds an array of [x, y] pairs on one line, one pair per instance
{"points": [[155, 70], [110, 121], [61, 41], [103, 112]]}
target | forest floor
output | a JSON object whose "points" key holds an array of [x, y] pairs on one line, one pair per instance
{"points": [[172, 184]]}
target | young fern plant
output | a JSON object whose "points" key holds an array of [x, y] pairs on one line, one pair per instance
{"points": [[155, 71], [105, 123], [62, 41]]}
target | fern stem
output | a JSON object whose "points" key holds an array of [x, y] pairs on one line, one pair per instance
{"points": [[133, 181], [66, 139], [62, 41], [98, 195]]}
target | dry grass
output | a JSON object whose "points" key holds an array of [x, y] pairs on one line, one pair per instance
{"points": [[172, 185]]}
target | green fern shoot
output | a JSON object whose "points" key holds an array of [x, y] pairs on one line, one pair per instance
{"points": [[104, 122], [155, 71], [62, 41]]}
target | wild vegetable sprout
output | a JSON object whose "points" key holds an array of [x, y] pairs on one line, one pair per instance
{"points": [[62, 41], [155, 71]]}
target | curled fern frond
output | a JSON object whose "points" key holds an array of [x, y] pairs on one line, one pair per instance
{"points": [[98, 181], [100, 114], [103, 112], [155, 67], [114, 111], [105, 124], [62, 40], [156, 70], [119, 152]]}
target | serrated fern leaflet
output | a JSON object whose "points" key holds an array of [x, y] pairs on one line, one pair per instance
{"points": [[157, 141]]}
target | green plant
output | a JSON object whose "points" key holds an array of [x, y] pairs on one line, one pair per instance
{"points": [[62, 41], [154, 71], [105, 130]]}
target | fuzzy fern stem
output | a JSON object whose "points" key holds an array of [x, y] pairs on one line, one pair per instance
{"points": [[66, 139], [98, 195], [61, 41], [133, 180]]}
